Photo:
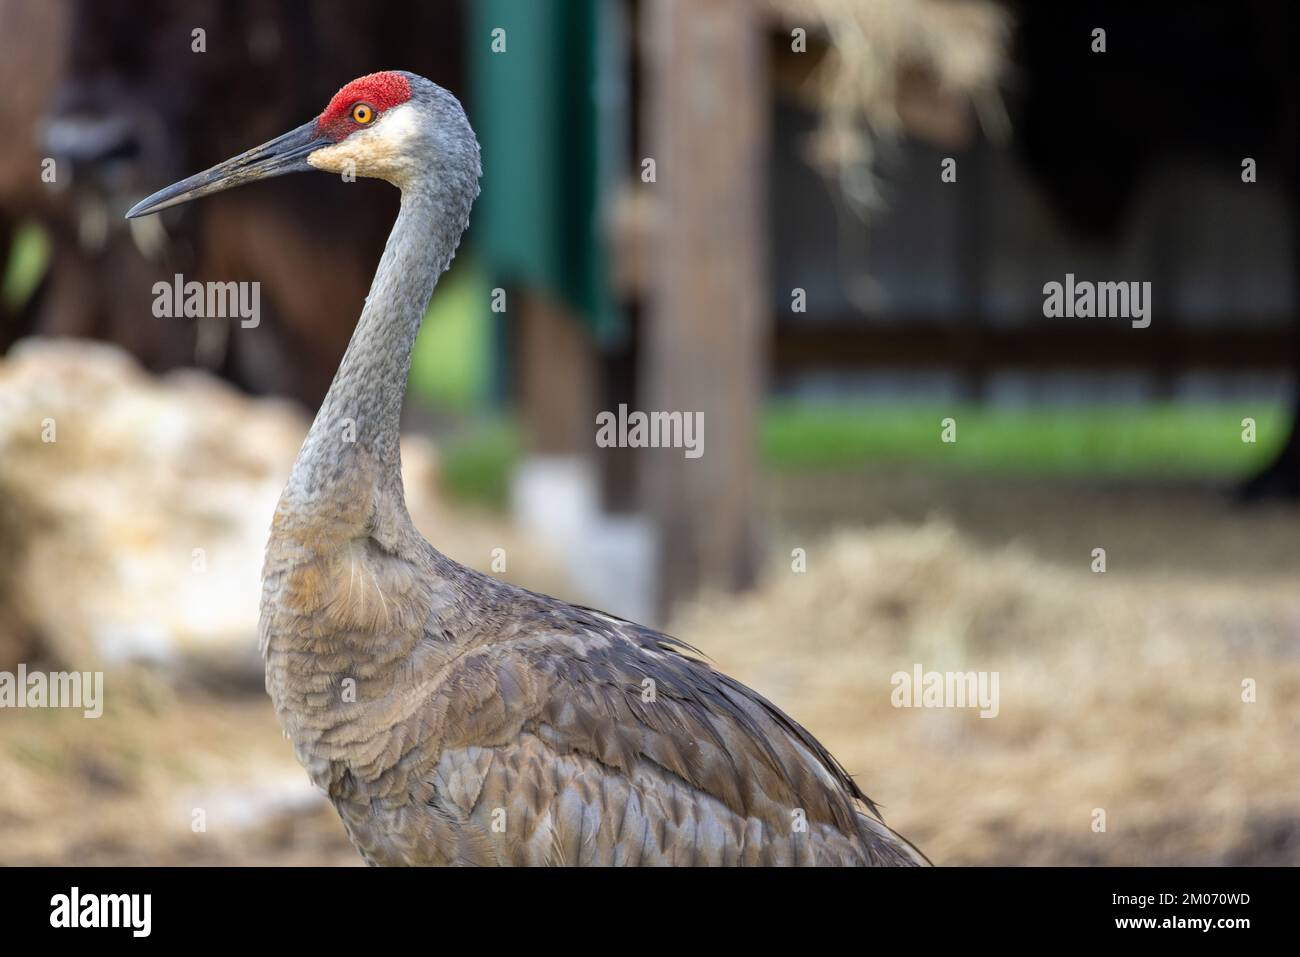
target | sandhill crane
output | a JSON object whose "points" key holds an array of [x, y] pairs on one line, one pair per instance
{"points": [[455, 719]]}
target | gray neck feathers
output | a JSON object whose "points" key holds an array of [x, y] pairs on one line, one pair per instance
{"points": [[352, 451]]}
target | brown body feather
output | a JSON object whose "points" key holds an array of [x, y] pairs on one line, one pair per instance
{"points": [[455, 719]]}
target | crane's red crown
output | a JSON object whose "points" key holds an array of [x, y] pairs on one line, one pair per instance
{"points": [[380, 91]]}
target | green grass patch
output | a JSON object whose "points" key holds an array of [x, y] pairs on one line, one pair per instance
{"points": [[476, 468], [27, 263], [450, 363], [1096, 441], [1158, 440]]}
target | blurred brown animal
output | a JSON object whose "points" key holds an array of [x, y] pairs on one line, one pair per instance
{"points": [[114, 92]]}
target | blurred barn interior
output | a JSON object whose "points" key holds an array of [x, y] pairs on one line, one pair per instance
{"points": [[726, 207]]}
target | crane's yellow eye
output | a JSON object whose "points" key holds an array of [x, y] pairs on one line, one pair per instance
{"points": [[363, 114]]}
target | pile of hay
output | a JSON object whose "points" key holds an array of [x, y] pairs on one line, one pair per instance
{"points": [[136, 510], [1117, 691], [924, 67], [98, 571]]}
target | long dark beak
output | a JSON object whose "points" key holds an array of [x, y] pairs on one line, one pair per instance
{"points": [[284, 154]]}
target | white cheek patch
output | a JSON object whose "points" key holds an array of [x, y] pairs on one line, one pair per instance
{"points": [[380, 151]]}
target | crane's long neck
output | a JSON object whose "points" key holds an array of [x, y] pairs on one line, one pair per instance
{"points": [[347, 478]]}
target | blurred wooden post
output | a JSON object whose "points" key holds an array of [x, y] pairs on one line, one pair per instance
{"points": [[556, 375], [705, 106]]}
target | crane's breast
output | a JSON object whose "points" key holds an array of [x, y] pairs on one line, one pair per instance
{"points": [[347, 667]]}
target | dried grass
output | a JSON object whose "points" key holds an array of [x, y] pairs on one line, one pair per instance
{"points": [[894, 66], [1120, 692]]}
